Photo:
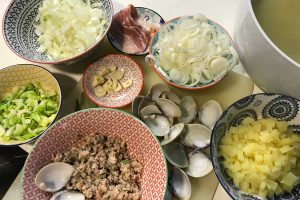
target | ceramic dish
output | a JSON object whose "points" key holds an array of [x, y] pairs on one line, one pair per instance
{"points": [[149, 16], [265, 105], [61, 136], [19, 31], [19, 75], [153, 53], [115, 99]]}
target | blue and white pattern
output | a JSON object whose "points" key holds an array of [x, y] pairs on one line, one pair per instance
{"points": [[283, 108], [243, 102], [258, 106], [149, 16], [19, 22], [242, 115]]}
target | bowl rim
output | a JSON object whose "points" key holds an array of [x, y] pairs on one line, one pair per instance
{"points": [[180, 86], [62, 61], [138, 67], [224, 113], [266, 37], [99, 109], [59, 106], [132, 54]]}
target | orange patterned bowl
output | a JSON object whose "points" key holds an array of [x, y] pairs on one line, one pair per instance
{"points": [[115, 99], [62, 135]]}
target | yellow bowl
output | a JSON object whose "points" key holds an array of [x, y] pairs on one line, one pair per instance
{"points": [[19, 75]]}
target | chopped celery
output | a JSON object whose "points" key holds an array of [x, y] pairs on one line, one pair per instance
{"points": [[27, 112]]}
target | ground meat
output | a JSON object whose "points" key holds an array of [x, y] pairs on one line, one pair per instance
{"points": [[103, 169]]}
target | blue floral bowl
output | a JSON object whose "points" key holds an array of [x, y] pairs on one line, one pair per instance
{"points": [[19, 35], [257, 106]]}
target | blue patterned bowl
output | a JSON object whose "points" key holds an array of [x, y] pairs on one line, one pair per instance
{"points": [[20, 37], [149, 17], [257, 106], [154, 52]]}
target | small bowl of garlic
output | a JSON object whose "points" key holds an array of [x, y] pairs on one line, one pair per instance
{"points": [[113, 81]]}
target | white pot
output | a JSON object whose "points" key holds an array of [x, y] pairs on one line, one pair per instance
{"points": [[267, 65]]}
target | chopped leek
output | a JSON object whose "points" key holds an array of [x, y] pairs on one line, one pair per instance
{"points": [[27, 112]]}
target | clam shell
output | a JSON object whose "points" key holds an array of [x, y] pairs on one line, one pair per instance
{"points": [[53, 177], [176, 154], [144, 102], [180, 184], [149, 110], [199, 165], [188, 109], [159, 125], [169, 108], [171, 96], [196, 136], [175, 131], [209, 113], [157, 90]]}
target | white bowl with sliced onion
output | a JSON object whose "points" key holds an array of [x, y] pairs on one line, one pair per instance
{"points": [[192, 52]]}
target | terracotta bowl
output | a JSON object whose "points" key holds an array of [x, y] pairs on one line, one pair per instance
{"points": [[64, 134], [115, 99], [19, 75]]}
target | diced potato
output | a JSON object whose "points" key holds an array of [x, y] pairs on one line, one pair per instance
{"points": [[282, 126], [289, 180], [262, 157]]}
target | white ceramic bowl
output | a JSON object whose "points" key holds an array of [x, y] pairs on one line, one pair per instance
{"points": [[267, 65]]}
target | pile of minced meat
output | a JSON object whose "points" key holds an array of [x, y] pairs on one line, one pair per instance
{"points": [[103, 169]]}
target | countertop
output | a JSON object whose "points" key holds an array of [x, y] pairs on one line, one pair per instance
{"points": [[223, 12]]}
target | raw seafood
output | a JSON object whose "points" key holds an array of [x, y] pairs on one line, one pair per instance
{"points": [[129, 32], [103, 169]]}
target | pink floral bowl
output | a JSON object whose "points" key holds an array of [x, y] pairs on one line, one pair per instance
{"points": [[115, 99], [62, 135]]}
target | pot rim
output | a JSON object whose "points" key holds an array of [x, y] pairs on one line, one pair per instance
{"points": [[266, 37]]}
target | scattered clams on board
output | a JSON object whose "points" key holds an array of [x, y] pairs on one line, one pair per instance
{"points": [[184, 130]]}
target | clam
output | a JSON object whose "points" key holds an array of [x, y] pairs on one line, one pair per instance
{"points": [[199, 165], [188, 109], [158, 124], [54, 177], [209, 113], [180, 184], [157, 90], [173, 134], [66, 194], [171, 96], [168, 195], [196, 136], [135, 105], [144, 102], [176, 154], [169, 108], [149, 110]]}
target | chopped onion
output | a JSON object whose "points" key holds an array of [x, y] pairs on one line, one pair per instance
{"points": [[185, 51], [68, 27]]}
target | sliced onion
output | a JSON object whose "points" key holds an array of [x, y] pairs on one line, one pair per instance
{"points": [[186, 50], [68, 27]]}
